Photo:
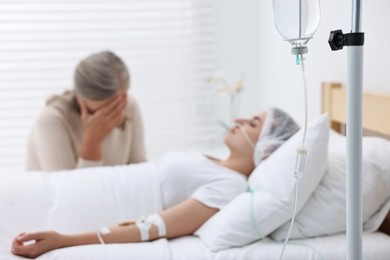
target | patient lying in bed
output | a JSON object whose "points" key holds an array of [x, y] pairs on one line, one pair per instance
{"points": [[183, 188]]}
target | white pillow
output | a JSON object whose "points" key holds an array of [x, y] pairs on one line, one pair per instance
{"points": [[324, 213], [274, 197]]}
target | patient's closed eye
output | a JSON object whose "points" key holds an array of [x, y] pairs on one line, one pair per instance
{"points": [[255, 122]]}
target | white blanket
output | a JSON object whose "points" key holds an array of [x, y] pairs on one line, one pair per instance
{"points": [[85, 200], [82, 200]]}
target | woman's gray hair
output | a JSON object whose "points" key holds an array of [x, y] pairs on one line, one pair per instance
{"points": [[97, 77], [100, 76], [278, 126]]}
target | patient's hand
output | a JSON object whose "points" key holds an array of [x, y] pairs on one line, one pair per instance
{"points": [[34, 244]]}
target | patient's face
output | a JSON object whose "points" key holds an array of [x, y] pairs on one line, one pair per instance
{"points": [[235, 138]]}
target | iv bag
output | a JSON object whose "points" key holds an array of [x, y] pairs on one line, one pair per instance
{"points": [[297, 21]]}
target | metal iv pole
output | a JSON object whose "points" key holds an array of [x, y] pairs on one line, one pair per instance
{"points": [[355, 42]]}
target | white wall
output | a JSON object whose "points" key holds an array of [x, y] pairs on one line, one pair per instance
{"points": [[237, 50], [277, 81]]}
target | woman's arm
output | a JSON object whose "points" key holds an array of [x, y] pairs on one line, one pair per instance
{"points": [[180, 220]]}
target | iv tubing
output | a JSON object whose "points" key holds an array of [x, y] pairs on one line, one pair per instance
{"points": [[299, 155], [292, 220], [270, 241], [305, 89]]}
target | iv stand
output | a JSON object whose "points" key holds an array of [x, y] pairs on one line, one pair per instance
{"points": [[355, 41]]}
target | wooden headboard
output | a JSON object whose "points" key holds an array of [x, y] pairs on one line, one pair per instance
{"points": [[376, 109]]}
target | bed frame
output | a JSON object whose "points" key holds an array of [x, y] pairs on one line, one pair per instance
{"points": [[376, 108]]}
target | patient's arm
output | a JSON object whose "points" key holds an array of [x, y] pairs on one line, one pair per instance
{"points": [[182, 219], [185, 218]]}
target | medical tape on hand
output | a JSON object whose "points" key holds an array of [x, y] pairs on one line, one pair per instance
{"points": [[103, 231], [144, 224], [159, 222], [143, 228]]}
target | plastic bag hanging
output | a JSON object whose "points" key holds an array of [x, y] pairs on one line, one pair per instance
{"points": [[297, 21]]}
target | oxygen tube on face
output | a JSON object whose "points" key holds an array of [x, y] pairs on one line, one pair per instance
{"points": [[246, 136]]}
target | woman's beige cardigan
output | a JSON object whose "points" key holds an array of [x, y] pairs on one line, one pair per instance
{"points": [[55, 140]]}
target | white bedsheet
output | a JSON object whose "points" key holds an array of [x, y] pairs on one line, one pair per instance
{"points": [[158, 250], [78, 201], [376, 246], [91, 198]]}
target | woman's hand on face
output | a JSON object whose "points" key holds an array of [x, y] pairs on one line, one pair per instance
{"points": [[44, 242], [98, 125]]}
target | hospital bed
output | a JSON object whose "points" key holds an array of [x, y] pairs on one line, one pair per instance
{"points": [[375, 244]]}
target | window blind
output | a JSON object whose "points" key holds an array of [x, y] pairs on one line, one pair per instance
{"points": [[168, 45]]}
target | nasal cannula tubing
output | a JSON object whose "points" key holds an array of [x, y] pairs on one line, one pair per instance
{"points": [[301, 157], [246, 136]]}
